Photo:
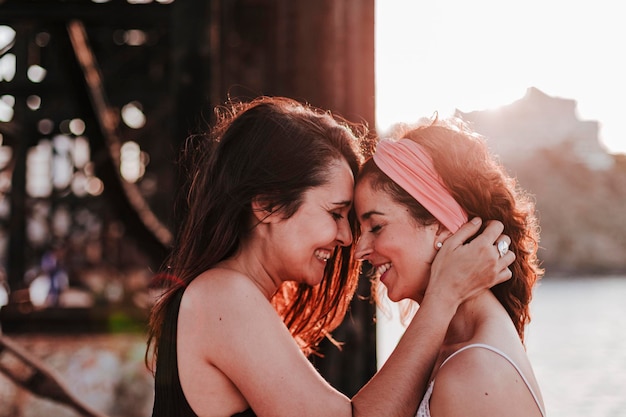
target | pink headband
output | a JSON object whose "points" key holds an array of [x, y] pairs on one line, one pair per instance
{"points": [[410, 166]]}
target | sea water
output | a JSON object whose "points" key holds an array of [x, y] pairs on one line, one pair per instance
{"points": [[576, 343]]}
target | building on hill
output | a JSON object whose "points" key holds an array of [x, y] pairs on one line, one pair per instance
{"points": [[539, 121]]}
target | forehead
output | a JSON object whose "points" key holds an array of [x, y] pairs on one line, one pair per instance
{"points": [[368, 199], [376, 204], [340, 182]]}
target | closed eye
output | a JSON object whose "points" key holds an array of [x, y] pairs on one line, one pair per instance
{"points": [[337, 216], [340, 209]]}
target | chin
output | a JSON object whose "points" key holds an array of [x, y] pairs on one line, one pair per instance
{"points": [[397, 297], [394, 297], [314, 281]]}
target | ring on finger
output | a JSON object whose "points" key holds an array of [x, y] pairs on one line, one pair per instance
{"points": [[503, 247]]}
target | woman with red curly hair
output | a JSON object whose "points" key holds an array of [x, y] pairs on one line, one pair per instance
{"points": [[410, 197]]}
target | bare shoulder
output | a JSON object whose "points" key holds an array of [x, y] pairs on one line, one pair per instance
{"points": [[479, 382], [221, 302], [223, 316], [236, 346], [218, 282]]}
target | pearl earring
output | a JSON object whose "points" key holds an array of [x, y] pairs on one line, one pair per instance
{"points": [[438, 245]]}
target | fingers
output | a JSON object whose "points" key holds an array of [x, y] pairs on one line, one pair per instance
{"points": [[506, 257], [503, 258], [492, 232], [504, 275], [504, 238], [466, 231], [460, 271], [505, 262], [480, 262], [502, 246]]}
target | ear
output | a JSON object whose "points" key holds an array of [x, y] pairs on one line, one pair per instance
{"points": [[262, 209], [442, 233]]}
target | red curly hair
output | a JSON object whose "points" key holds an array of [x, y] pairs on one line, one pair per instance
{"points": [[481, 185]]}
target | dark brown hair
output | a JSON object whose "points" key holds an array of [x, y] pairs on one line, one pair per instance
{"points": [[275, 148], [480, 184]]}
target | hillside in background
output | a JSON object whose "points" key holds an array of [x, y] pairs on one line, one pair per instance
{"points": [[580, 189], [582, 212]]}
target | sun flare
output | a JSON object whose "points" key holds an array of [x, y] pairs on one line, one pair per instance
{"points": [[451, 54]]}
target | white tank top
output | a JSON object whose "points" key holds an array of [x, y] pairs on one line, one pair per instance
{"points": [[424, 408]]}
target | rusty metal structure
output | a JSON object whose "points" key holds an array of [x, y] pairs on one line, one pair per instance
{"points": [[91, 64]]}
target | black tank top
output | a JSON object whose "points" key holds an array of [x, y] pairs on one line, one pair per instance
{"points": [[169, 399]]}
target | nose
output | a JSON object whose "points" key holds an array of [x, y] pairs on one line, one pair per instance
{"points": [[344, 234], [363, 248]]}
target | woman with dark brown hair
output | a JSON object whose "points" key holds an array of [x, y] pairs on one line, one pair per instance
{"points": [[262, 269], [411, 196]]}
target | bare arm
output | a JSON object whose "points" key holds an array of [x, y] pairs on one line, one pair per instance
{"points": [[244, 340], [458, 273]]}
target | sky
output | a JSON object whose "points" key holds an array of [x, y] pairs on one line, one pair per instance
{"points": [[442, 55]]}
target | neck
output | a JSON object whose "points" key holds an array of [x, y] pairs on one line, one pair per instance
{"points": [[471, 316], [248, 262]]}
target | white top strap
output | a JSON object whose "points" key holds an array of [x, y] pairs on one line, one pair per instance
{"points": [[505, 356], [424, 408]]}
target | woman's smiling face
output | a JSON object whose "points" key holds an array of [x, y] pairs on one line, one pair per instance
{"points": [[400, 250], [303, 243]]}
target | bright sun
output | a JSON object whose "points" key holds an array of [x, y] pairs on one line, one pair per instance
{"points": [[448, 54]]}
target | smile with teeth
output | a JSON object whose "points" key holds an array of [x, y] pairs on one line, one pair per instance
{"points": [[381, 269], [322, 255]]}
